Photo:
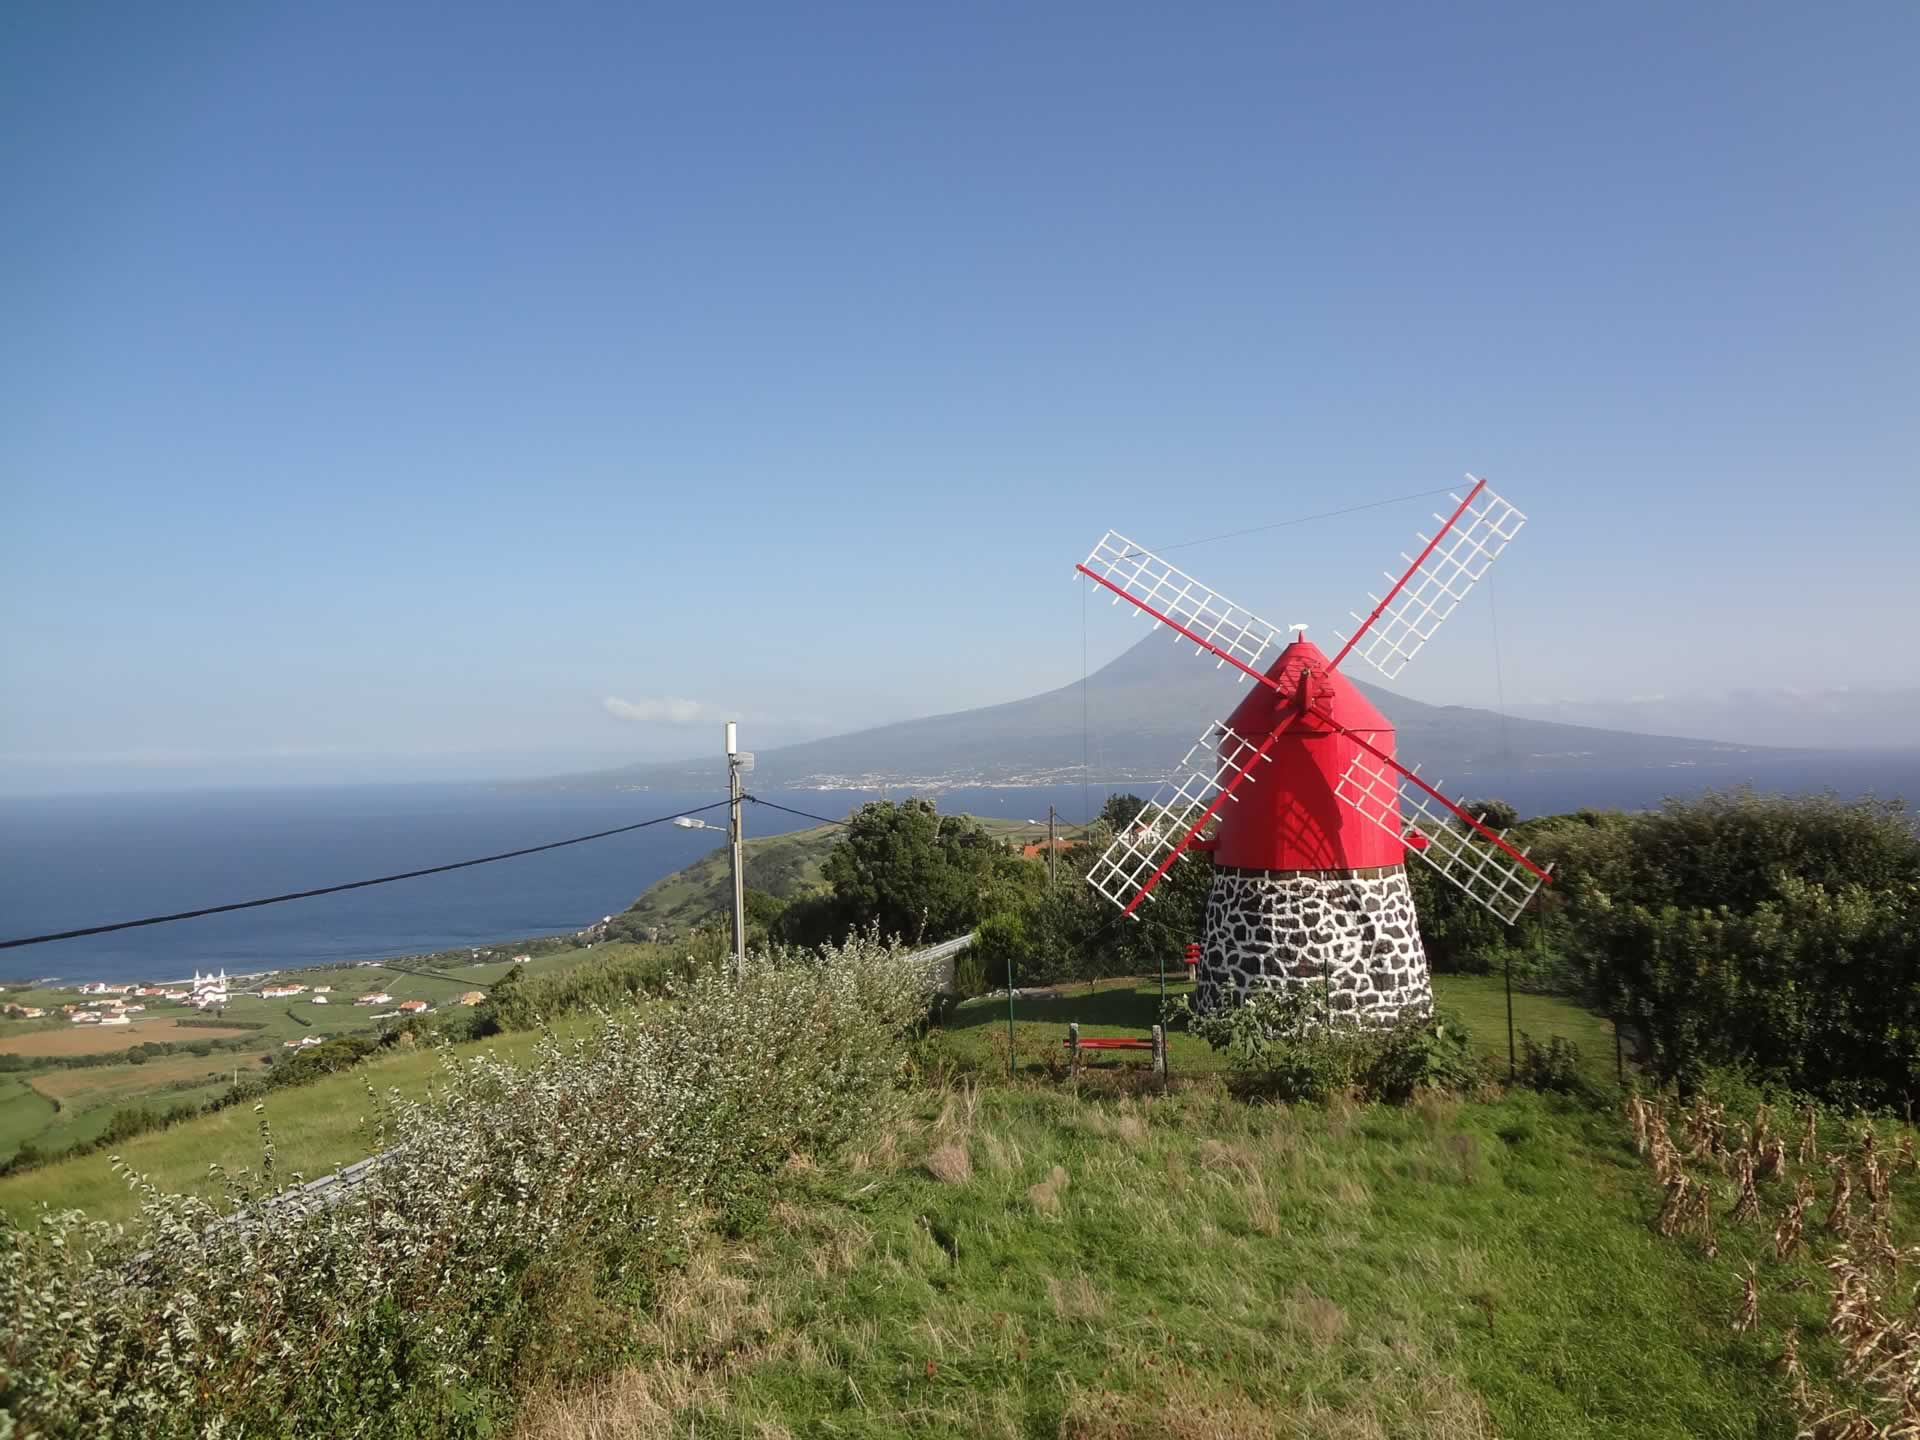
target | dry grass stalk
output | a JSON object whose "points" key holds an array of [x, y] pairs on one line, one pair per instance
{"points": [[1747, 1208], [1842, 1424], [1749, 1304], [1046, 1195], [1874, 1174], [1809, 1135], [1674, 1209], [1637, 1117], [1706, 1129], [1796, 1375], [1909, 1161], [1839, 1212], [1762, 1128], [1703, 1219], [1788, 1234], [1772, 1161], [1666, 1155], [950, 1163]]}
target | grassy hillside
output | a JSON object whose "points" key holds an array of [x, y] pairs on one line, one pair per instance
{"points": [[1107, 1261], [1113, 1259], [1031, 1261], [781, 865], [784, 866]]}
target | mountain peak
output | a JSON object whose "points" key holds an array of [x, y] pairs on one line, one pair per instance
{"points": [[1133, 719]]}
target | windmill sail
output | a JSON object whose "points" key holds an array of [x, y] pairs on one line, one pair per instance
{"points": [[1231, 633], [1416, 604], [1219, 763], [1478, 860], [1460, 552]]}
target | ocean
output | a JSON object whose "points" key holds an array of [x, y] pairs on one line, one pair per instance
{"points": [[73, 861]]}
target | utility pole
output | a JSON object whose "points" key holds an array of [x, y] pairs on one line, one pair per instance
{"points": [[1050, 850], [734, 851]]}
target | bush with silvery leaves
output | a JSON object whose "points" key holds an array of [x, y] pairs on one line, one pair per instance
{"points": [[422, 1303]]}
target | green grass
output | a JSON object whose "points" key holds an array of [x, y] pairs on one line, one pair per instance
{"points": [[24, 1113], [975, 1037], [316, 1128], [1025, 1260]]}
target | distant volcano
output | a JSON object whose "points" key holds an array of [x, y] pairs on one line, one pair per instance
{"points": [[1141, 713]]}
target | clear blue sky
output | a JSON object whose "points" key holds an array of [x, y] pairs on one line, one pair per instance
{"points": [[383, 389]]}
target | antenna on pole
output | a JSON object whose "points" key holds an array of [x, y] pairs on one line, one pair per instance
{"points": [[736, 765]]}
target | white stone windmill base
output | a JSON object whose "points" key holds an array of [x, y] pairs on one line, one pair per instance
{"points": [[1353, 931]]}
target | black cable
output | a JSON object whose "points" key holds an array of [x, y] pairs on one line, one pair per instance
{"points": [[1303, 519], [807, 815], [337, 889], [790, 811]]}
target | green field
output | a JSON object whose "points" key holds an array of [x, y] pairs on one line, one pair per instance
{"points": [[316, 1128], [54, 1108], [23, 1112]]}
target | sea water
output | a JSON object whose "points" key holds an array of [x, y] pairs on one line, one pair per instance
{"points": [[73, 861]]}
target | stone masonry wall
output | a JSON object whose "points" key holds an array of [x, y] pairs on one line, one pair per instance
{"points": [[1354, 929]]}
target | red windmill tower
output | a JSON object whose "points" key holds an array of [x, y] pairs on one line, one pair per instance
{"points": [[1310, 882]]}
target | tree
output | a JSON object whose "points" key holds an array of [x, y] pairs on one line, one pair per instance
{"points": [[1494, 814], [1775, 934], [506, 1006], [1120, 811], [912, 871]]}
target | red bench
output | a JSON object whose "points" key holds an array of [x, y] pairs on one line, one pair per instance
{"points": [[1074, 1044]]}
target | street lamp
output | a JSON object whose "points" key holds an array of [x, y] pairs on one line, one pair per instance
{"points": [[688, 822]]}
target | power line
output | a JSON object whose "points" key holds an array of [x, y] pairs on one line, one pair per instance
{"points": [[337, 889], [1306, 519], [789, 810], [824, 820]]}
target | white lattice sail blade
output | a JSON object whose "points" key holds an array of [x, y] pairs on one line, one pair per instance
{"points": [[1219, 762], [1232, 633], [1487, 873], [1449, 565]]}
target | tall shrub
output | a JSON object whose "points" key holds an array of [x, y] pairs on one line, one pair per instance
{"points": [[1775, 934], [515, 1200]]}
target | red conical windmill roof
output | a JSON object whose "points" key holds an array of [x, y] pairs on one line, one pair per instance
{"points": [[1289, 818]]}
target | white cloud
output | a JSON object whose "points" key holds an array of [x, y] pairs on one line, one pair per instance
{"points": [[663, 711]]}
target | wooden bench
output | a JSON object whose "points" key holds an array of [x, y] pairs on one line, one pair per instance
{"points": [[1074, 1044]]}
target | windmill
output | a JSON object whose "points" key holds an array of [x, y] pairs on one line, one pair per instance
{"points": [[1316, 816]]}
